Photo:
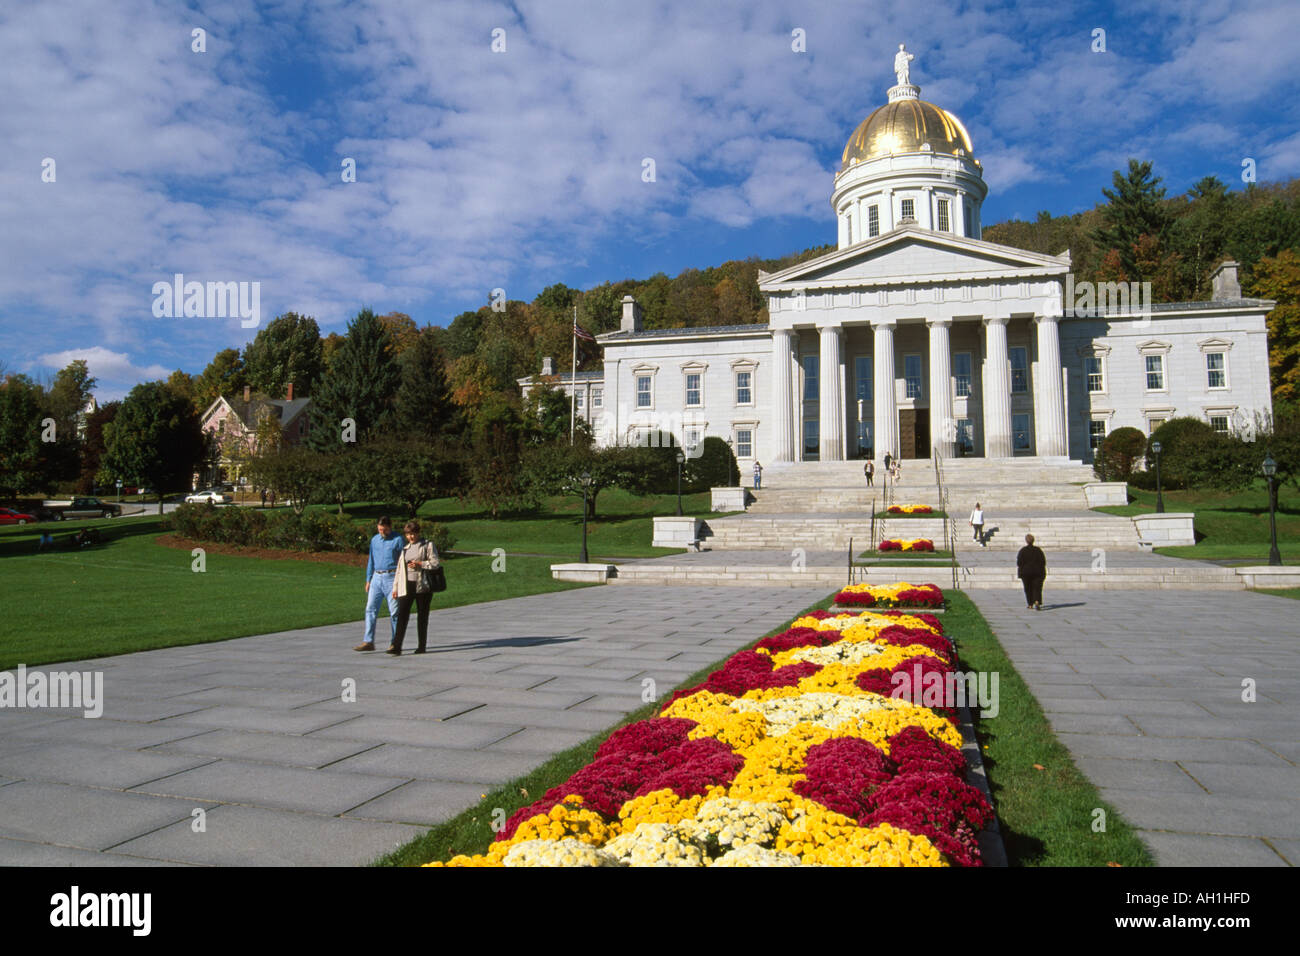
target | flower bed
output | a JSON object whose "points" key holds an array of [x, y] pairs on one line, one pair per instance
{"points": [[910, 510], [793, 753], [891, 595], [906, 544]]}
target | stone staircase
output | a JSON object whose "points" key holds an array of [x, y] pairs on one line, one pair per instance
{"points": [[754, 532]]}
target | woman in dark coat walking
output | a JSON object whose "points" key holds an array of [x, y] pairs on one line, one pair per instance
{"points": [[1031, 568]]}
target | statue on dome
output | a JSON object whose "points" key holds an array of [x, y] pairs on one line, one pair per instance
{"points": [[901, 65]]}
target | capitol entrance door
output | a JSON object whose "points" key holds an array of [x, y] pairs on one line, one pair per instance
{"points": [[913, 433]]}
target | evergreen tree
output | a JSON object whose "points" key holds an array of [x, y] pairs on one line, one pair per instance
{"points": [[1135, 210], [424, 405], [361, 385], [287, 351]]}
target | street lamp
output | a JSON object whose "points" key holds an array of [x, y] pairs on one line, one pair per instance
{"points": [[681, 460], [1160, 498], [1270, 469], [586, 485]]}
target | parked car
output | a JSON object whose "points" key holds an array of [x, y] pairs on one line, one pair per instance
{"points": [[81, 508], [9, 516], [214, 495]]}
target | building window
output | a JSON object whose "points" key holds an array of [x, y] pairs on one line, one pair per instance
{"points": [[1219, 423], [692, 439], [1093, 374], [1019, 370], [597, 398], [1020, 432], [1096, 433], [579, 398], [912, 375], [864, 440], [744, 443], [862, 377], [1155, 373], [744, 388], [693, 390], [1215, 372], [1153, 424], [810, 391], [644, 395], [961, 372], [909, 209], [966, 435], [810, 440], [873, 220], [943, 215]]}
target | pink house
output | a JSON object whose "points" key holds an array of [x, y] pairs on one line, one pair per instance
{"points": [[234, 425]]}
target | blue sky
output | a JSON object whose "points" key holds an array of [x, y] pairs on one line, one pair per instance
{"points": [[479, 169]]}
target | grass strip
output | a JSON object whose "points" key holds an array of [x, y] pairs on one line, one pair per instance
{"points": [[1046, 815]]}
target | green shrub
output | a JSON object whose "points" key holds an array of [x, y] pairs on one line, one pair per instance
{"points": [[1119, 454], [1186, 445], [440, 535], [311, 531], [714, 467]]}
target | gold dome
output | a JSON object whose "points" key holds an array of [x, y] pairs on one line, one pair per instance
{"points": [[906, 126]]}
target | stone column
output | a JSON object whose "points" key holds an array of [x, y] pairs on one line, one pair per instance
{"points": [[844, 229], [782, 396], [1049, 420], [831, 395], [959, 213], [886, 399], [943, 424], [997, 390], [926, 217], [886, 210]]}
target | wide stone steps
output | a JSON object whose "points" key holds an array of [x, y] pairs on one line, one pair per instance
{"points": [[861, 499], [759, 532], [1195, 578]]}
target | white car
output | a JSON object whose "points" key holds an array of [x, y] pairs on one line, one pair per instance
{"points": [[211, 495]]}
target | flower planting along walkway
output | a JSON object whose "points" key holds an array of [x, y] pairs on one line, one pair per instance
{"points": [[795, 752], [1146, 688], [255, 732]]}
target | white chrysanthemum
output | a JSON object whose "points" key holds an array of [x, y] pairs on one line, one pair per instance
{"points": [[841, 652], [657, 844], [820, 709], [566, 852], [755, 855], [737, 822]]}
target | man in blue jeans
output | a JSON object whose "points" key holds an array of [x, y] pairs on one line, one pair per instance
{"points": [[385, 547]]}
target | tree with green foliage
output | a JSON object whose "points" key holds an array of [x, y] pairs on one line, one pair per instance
{"points": [[25, 460], [224, 375], [1119, 454], [714, 467], [155, 439], [288, 351], [361, 385], [72, 390], [424, 405], [410, 471], [92, 447], [1135, 210], [1185, 443]]}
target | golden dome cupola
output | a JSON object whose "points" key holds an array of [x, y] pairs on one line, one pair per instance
{"points": [[910, 161]]}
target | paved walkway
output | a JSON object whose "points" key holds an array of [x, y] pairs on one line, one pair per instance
{"points": [[967, 556], [255, 733], [1145, 691]]}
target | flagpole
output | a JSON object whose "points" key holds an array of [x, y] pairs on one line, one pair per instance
{"points": [[573, 376]]}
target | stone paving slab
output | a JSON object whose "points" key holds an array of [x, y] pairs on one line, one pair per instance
{"points": [[289, 788], [440, 763], [290, 750], [423, 802], [236, 835], [22, 853], [1207, 779], [95, 766], [84, 817]]}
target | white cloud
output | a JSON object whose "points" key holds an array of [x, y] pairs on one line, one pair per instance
{"points": [[115, 371]]}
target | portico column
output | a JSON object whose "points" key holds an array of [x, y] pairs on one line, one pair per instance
{"points": [[831, 396], [886, 399], [855, 220], [844, 229], [886, 210], [997, 390], [943, 425], [1050, 418], [959, 211], [782, 396], [927, 216]]}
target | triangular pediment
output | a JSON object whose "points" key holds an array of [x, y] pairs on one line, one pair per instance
{"points": [[909, 254]]}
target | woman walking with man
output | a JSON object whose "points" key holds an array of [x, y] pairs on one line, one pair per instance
{"points": [[414, 585]]}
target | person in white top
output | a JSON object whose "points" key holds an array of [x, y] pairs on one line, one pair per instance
{"points": [[977, 522]]}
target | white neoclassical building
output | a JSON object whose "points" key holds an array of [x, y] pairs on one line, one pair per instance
{"points": [[918, 338]]}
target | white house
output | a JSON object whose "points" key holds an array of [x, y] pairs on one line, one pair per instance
{"points": [[918, 338]]}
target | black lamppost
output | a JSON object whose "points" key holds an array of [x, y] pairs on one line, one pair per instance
{"points": [[1160, 498], [586, 485], [1270, 469], [681, 460]]}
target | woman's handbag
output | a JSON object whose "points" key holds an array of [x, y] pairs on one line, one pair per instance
{"points": [[437, 579]]}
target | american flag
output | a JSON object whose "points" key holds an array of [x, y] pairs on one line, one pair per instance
{"points": [[582, 333]]}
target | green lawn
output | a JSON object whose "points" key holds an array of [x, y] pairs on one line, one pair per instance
{"points": [[623, 526], [132, 594], [1230, 526]]}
